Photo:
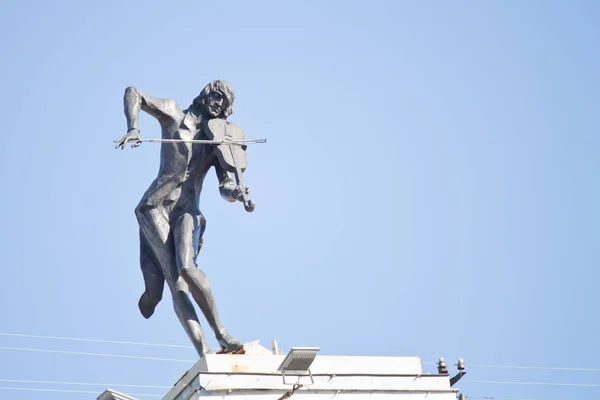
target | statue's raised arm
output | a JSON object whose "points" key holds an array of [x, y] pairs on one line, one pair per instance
{"points": [[134, 100]]}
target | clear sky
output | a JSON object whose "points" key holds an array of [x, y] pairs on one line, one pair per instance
{"points": [[429, 186]]}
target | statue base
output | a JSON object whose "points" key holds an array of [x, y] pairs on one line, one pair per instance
{"points": [[257, 375]]}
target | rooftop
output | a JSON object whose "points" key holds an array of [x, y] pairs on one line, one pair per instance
{"points": [[257, 374]]}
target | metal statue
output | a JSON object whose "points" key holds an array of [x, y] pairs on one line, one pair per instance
{"points": [[171, 224]]}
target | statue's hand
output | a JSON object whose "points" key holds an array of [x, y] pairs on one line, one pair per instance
{"points": [[226, 189], [239, 192], [133, 135]]}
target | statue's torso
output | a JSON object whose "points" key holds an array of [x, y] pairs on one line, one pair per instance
{"points": [[183, 166]]}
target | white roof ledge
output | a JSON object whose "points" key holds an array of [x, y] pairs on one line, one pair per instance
{"points": [[308, 390], [259, 376], [371, 383]]}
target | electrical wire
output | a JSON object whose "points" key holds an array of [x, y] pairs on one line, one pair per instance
{"points": [[93, 340], [192, 361], [188, 361], [530, 367], [582, 369], [85, 384], [71, 391], [494, 398], [95, 354], [537, 383]]}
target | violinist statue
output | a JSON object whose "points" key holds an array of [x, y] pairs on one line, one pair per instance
{"points": [[170, 222]]}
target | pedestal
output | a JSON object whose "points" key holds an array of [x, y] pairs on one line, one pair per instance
{"points": [[248, 377]]}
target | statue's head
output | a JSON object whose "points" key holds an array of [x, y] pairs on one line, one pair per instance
{"points": [[216, 100]]}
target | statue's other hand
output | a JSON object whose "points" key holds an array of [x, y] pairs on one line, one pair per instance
{"points": [[133, 135], [239, 192], [226, 188]]}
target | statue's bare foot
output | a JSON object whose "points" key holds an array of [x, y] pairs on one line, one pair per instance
{"points": [[230, 345], [239, 351], [146, 305]]}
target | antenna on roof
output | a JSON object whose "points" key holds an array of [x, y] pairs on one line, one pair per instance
{"points": [[275, 348]]}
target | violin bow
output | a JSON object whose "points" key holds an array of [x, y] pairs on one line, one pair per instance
{"points": [[203, 141]]}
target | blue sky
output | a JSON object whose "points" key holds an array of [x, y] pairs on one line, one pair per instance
{"points": [[429, 185]]}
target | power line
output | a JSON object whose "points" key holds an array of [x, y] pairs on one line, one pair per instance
{"points": [[537, 383], [190, 347], [468, 365], [85, 384], [495, 398], [70, 391], [580, 369], [93, 340], [95, 354], [529, 367]]}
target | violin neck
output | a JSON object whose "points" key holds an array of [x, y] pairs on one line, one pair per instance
{"points": [[239, 178]]}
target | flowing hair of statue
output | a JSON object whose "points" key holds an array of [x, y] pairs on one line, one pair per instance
{"points": [[222, 87]]}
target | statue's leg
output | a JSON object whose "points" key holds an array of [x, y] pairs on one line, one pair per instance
{"points": [[153, 279], [156, 230], [184, 309], [186, 234]]}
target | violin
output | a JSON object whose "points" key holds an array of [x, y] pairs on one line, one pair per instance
{"points": [[232, 157]]}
